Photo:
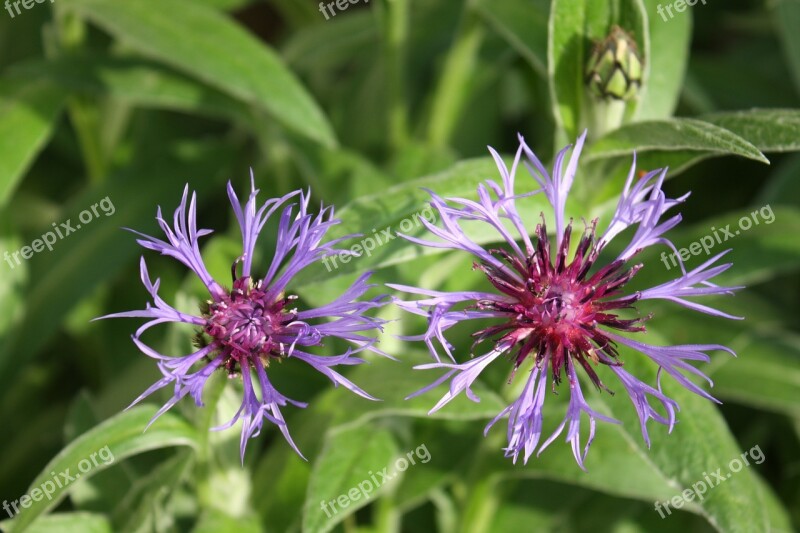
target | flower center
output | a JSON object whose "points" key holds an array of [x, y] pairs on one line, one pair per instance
{"points": [[559, 304], [246, 324], [556, 309]]}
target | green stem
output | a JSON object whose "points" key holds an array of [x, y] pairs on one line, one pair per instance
{"points": [[481, 506], [483, 493], [70, 38], [349, 524], [213, 393], [396, 36], [387, 518], [452, 89], [83, 116]]}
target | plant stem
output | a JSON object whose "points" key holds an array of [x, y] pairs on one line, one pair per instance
{"points": [[481, 506], [387, 519], [83, 116], [483, 496], [452, 89], [396, 37], [214, 390], [70, 37]]}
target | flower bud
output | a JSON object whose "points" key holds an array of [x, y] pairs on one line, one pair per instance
{"points": [[614, 70]]}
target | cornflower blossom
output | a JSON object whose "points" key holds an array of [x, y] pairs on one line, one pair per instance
{"points": [[558, 310], [243, 330]]}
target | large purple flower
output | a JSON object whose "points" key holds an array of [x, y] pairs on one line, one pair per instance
{"points": [[556, 308], [244, 329]]}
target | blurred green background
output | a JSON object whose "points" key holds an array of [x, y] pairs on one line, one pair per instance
{"points": [[129, 100]]}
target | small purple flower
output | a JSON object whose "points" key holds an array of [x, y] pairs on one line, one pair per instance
{"points": [[560, 309], [242, 330]]}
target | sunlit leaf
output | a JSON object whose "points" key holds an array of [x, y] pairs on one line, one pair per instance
{"points": [[187, 35], [769, 130]]}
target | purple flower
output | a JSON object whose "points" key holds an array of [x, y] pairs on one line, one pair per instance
{"points": [[557, 309], [243, 330]]}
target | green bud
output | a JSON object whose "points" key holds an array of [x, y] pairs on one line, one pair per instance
{"points": [[614, 69]]}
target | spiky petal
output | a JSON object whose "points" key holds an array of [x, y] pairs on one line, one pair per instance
{"points": [[556, 310], [244, 329]]}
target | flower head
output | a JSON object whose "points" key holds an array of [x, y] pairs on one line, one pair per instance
{"points": [[559, 311], [243, 330]]}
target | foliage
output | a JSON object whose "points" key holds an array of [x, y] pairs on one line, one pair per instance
{"points": [[131, 100]]}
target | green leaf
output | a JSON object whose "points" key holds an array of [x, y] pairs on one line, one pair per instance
{"points": [[112, 441], [348, 474], [676, 143], [567, 49], [137, 81], [667, 60], [702, 442], [679, 134], [187, 35], [610, 173], [69, 523], [28, 113], [523, 24], [573, 29], [770, 130]]}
